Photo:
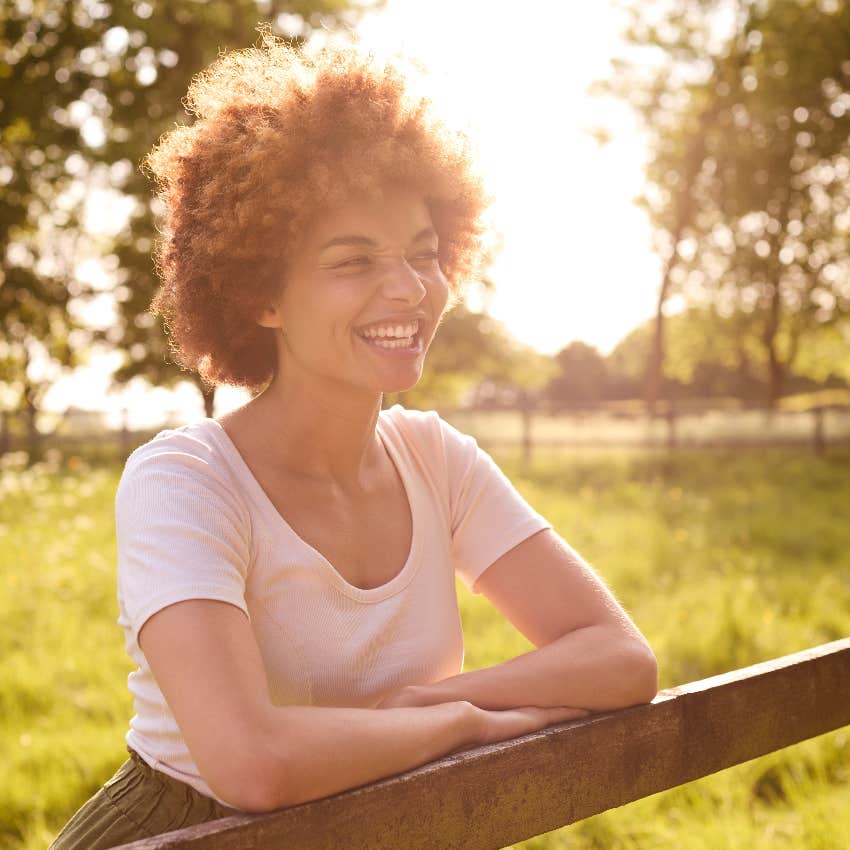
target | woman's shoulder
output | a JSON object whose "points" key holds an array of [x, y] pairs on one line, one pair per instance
{"points": [[191, 451], [426, 428], [410, 419], [414, 426], [194, 440]]}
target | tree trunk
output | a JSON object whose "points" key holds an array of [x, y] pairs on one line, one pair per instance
{"points": [[30, 396], [776, 377], [818, 438], [655, 364], [775, 366], [683, 213], [31, 411]]}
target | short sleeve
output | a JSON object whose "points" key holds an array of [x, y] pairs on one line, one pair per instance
{"points": [[488, 515], [181, 533]]}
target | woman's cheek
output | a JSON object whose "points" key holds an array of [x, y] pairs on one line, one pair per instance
{"points": [[441, 291]]}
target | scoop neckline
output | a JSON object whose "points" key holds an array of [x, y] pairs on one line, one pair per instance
{"points": [[363, 594]]}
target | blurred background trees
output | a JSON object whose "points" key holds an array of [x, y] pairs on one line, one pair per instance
{"points": [[746, 110], [475, 360], [86, 87]]}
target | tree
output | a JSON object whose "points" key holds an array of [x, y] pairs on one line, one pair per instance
{"points": [[748, 129], [826, 357], [777, 185], [37, 331], [85, 90], [474, 355], [666, 84], [39, 221], [711, 355], [582, 379]]}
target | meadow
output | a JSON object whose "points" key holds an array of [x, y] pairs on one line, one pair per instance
{"points": [[723, 558]]}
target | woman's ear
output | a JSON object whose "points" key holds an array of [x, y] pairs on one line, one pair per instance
{"points": [[269, 317]]}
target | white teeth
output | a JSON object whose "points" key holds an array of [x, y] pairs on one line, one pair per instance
{"points": [[402, 332], [403, 342]]}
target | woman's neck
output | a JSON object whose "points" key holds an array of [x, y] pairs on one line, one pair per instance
{"points": [[303, 429]]}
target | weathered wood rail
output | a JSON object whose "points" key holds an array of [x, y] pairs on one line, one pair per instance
{"points": [[493, 796]]}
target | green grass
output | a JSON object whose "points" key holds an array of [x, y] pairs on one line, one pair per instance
{"points": [[722, 558]]}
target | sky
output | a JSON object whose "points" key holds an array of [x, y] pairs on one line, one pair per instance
{"points": [[575, 261]]}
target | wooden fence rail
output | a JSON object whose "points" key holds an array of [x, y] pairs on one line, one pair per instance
{"points": [[526, 429], [492, 796]]}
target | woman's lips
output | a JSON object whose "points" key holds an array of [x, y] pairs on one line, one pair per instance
{"points": [[401, 347]]}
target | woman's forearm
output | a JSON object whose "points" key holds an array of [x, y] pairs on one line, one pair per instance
{"points": [[309, 752], [593, 668]]}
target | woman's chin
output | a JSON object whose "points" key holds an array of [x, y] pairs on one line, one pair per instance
{"points": [[400, 386], [402, 380]]}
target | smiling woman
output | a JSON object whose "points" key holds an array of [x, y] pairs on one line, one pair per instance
{"points": [[286, 573], [332, 326], [281, 140]]}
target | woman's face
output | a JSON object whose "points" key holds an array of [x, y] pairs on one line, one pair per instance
{"points": [[363, 296]]}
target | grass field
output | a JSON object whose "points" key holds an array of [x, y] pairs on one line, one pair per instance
{"points": [[723, 559]]}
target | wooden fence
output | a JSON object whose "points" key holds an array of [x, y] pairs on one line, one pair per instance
{"points": [[698, 427], [525, 429], [492, 796]]}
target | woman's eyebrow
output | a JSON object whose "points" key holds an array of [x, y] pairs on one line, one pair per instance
{"points": [[365, 241], [350, 239]]}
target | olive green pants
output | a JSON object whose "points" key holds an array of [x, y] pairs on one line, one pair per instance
{"points": [[137, 802]]}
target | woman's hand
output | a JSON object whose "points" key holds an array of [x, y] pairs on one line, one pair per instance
{"points": [[495, 725], [501, 725]]}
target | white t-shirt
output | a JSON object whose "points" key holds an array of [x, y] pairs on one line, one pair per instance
{"points": [[192, 522]]}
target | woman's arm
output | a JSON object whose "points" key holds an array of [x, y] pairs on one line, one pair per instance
{"points": [[591, 668], [258, 757], [590, 654]]}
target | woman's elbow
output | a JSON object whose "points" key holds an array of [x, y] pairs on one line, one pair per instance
{"points": [[246, 792], [642, 675], [253, 781]]}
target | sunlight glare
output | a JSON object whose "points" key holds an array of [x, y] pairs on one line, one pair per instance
{"points": [[576, 261]]}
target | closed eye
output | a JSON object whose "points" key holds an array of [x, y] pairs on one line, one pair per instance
{"points": [[426, 255], [352, 262]]}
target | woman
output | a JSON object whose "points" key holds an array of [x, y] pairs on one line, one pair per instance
{"points": [[289, 568]]}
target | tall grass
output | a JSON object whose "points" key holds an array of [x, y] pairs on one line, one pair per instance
{"points": [[722, 558]]}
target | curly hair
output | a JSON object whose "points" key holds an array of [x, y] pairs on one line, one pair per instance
{"points": [[278, 135]]}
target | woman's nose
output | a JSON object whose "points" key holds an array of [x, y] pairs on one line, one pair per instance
{"points": [[402, 282]]}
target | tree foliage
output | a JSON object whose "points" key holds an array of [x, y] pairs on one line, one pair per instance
{"points": [[474, 358], [747, 111], [583, 378], [86, 88]]}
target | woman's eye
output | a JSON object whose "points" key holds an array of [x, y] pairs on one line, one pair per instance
{"points": [[426, 256], [353, 262]]}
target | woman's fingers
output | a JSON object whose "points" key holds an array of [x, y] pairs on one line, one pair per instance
{"points": [[565, 713], [514, 722]]}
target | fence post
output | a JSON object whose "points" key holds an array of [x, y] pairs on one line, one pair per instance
{"points": [[819, 440], [525, 409], [671, 427]]}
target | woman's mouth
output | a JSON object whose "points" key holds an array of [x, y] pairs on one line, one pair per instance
{"points": [[393, 335]]}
